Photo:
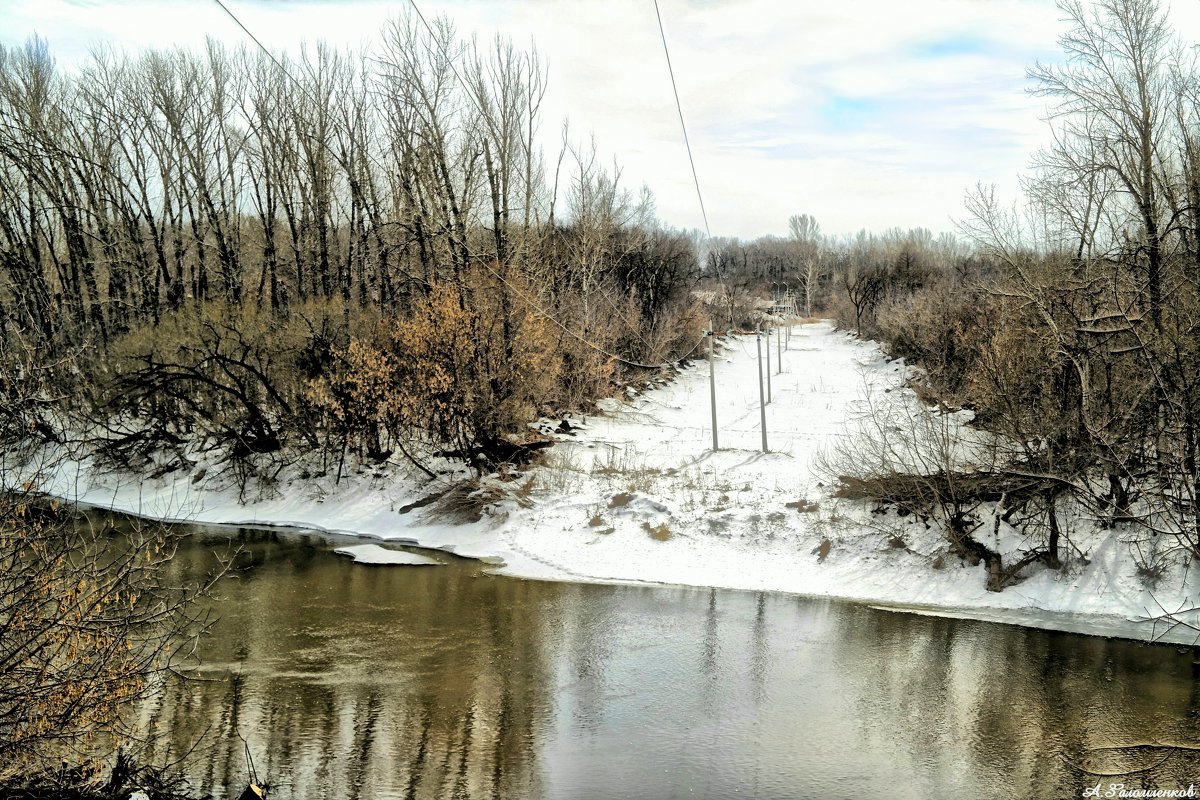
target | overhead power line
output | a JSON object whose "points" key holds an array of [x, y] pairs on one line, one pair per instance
{"points": [[303, 90], [534, 305], [679, 107], [254, 38]]}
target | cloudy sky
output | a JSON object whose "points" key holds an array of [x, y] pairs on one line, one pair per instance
{"points": [[864, 113]]}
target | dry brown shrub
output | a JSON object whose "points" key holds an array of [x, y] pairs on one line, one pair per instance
{"points": [[359, 392], [822, 550], [478, 359], [659, 533], [620, 500]]}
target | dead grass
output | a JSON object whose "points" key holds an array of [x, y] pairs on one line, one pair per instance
{"points": [[659, 533], [523, 492], [620, 462], [718, 524], [466, 501], [558, 473], [628, 463], [620, 500], [644, 480]]}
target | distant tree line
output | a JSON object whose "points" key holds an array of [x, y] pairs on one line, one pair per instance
{"points": [[857, 280]]}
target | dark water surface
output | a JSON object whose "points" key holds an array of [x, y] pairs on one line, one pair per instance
{"points": [[353, 681]]}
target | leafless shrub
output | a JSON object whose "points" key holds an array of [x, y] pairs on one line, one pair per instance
{"points": [[924, 461]]}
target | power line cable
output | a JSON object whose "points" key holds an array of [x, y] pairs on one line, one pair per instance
{"points": [[304, 91], [683, 125], [526, 298], [475, 100], [449, 61], [270, 55]]}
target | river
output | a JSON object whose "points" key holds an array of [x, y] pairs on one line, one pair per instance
{"points": [[355, 681]]}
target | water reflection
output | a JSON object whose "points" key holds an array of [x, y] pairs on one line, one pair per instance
{"points": [[353, 681]]}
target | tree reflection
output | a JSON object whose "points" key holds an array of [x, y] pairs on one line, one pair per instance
{"points": [[350, 681], [1026, 710]]}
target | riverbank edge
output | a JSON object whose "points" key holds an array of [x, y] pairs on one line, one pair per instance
{"points": [[582, 518], [1088, 624]]}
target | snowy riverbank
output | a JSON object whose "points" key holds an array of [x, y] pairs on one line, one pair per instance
{"points": [[638, 495]]}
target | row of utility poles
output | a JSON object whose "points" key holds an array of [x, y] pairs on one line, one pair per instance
{"points": [[780, 345]]}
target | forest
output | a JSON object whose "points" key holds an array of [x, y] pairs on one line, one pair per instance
{"points": [[344, 257], [349, 252]]}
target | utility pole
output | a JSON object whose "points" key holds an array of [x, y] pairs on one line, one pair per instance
{"points": [[768, 327], [778, 350], [712, 380], [762, 405]]}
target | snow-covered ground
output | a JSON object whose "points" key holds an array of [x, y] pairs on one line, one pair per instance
{"points": [[638, 495]]}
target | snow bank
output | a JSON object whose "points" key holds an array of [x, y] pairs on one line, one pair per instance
{"points": [[638, 495]]}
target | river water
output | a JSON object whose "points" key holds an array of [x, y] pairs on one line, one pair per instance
{"points": [[355, 681]]}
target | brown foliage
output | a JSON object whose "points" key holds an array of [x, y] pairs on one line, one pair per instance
{"points": [[359, 392], [942, 328], [478, 360], [87, 622]]}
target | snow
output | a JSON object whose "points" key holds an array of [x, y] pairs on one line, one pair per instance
{"points": [[376, 554], [637, 495]]}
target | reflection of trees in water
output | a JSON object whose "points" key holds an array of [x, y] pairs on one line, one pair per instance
{"points": [[354, 681], [585, 639], [438, 691], [760, 651], [1017, 711]]}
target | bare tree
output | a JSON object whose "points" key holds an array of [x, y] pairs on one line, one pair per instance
{"points": [[813, 273], [804, 228], [1112, 111], [864, 284]]}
